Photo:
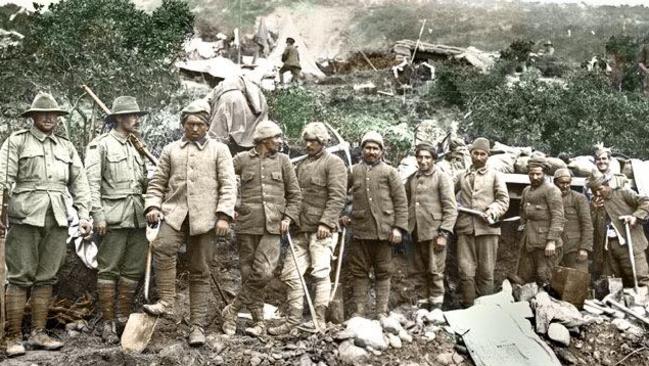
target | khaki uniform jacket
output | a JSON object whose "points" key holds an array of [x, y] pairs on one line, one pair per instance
{"points": [[291, 56], [269, 192], [431, 204], [542, 215], [379, 201], [621, 202], [117, 178], [488, 191], [46, 170], [323, 181], [578, 231], [193, 180]]}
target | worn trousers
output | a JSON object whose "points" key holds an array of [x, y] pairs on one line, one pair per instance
{"points": [[315, 254], [35, 254], [618, 264], [431, 263], [122, 253], [535, 266], [476, 261], [258, 259]]}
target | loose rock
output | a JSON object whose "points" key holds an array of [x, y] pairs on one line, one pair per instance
{"points": [[395, 341], [559, 334], [436, 317], [445, 358], [391, 324], [405, 336], [367, 333]]}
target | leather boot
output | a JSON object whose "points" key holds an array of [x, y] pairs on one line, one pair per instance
{"points": [[293, 318], [106, 295], [199, 293], [360, 289], [166, 282], [382, 297], [40, 301], [258, 328], [15, 300], [125, 298], [229, 315], [196, 336]]}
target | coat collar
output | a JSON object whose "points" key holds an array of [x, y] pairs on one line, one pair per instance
{"points": [[253, 153], [118, 136], [40, 136], [432, 171], [200, 143]]}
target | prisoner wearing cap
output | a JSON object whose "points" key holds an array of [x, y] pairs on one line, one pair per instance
{"points": [[372, 136], [596, 179], [199, 108], [481, 143], [537, 162], [562, 173], [426, 146], [316, 131]]}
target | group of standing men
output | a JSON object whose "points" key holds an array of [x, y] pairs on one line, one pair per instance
{"points": [[193, 196]]}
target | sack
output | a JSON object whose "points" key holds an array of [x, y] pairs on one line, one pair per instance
{"points": [[555, 164], [582, 166], [500, 148], [503, 163], [521, 164]]}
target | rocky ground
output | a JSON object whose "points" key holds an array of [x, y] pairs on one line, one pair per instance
{"points": [[426, 341]]}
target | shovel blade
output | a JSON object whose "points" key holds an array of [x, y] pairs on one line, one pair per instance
{"points": [[138, 332]]}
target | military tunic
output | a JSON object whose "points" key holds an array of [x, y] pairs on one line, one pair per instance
{"points": [[269, 193], [46, 172], [610, 247], [578, 230], [543, 221], [432, 212], [117, 178]]}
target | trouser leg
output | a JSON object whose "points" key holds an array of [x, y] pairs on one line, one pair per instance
{"points": [[15, 299], [466, 255], [164, 250], [264, 262], [486, 247], [359, 268], [382, 253], [290, 276], [200, 251], [321, 253], [436, 268], [111, 252]]}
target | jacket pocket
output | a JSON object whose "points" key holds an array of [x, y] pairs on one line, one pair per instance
{"points": [[247, 177], [358, 214], [277, 176], [117, 167], [318, 181]]}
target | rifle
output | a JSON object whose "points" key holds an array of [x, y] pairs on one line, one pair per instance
{"points": [[137, 142]]}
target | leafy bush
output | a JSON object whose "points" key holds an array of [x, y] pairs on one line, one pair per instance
{"points": [[556, 118]]}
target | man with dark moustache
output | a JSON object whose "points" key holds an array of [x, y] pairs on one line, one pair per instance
{"points": [[117, 178], [379, 216], [270, 200], [612, 208], [482, 189], [432, 213], [578, 231], [323, 180], [542, 221]]}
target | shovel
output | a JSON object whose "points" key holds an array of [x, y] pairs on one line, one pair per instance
{"points": [[140, 326], [306, 289]]}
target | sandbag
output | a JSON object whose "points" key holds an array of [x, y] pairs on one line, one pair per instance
{"points": [[520, 167], [503, 163], [582, 166], [500, 148], [555, 164]]}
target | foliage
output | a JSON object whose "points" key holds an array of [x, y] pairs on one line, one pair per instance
{"points": [[557, 118], [292, 108], [109, 45], [518, 51], [624, 53]]}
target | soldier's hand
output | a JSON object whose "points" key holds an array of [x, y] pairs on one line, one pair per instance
{"points": [[85, 229], [550, 248], [222, 227], [323, 232], [395, 236], [344, 220], [153, 216], [631, 220], [598, 202], [488, 217], [284, 225], [102, 228], [440, 243], [582, 256]]}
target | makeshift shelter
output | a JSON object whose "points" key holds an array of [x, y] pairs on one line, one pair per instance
{"points": [[307, 59], [212, 70], [428, 51]]}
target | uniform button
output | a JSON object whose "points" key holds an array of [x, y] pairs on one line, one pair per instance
{"points": [[262, 177], [370, 198], [417, 203], [367, 178]]}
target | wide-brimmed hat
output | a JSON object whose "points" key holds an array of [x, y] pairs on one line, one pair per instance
{"points": [[126, 105], [44, 102]]}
